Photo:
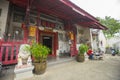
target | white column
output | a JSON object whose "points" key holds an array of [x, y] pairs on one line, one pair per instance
{"points": [[91, 38], [4, 6]]}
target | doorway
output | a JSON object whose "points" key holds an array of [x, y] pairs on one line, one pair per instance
{"points": [[47, 41]]}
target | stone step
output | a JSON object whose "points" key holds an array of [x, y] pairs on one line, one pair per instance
{"points": [[60, 61]]}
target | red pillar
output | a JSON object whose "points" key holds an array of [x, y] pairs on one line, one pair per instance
{"points": [[25, 31], [38, 24], [73, 50]]}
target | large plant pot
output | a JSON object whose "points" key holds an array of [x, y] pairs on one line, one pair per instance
{"points": [[80, 58], [39, 68]]}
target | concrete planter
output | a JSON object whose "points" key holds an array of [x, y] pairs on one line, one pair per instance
{"points": [[23, 73]]}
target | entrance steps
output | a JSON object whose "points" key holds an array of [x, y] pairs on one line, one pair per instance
{"points": [[59, 61]]}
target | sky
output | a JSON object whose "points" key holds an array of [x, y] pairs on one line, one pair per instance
{"points": [[100, 8]]}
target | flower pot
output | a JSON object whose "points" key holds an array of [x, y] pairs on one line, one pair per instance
{"points": [[80, 58], [39, 68]]}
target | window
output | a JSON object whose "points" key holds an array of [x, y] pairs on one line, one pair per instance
{"points": [[17, 33], [18, 17], [32, 20], [0, 12]]}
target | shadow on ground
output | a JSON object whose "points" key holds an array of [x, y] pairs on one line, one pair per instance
{"points": [[7, 73]]}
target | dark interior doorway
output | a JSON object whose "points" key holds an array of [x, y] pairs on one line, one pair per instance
{"points": [[47, 41]]}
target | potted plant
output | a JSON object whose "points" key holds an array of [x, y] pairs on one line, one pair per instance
{"points": [[82, 49], [39, 54]]}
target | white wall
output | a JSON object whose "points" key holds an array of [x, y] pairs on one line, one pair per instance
{"points": [[63, 44], [85, 35], [99, 40], [117, 45], [112, 41], [94, 45], [102, 38], [3, 18]]}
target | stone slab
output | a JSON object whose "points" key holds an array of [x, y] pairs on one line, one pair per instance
{"points": [[23, 72]]}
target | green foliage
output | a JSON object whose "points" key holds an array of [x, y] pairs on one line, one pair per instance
{"points": [[83, 48], [112, 24], [26, 48], [39, 52], [117, 51]]}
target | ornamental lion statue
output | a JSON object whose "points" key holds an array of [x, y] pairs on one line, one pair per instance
{"points": [[24, 55]]}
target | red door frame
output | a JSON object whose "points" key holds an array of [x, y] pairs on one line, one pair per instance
{"points": [[55, 39]]}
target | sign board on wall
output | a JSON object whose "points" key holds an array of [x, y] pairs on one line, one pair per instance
{"points": [[47, 24], [32, 31]]}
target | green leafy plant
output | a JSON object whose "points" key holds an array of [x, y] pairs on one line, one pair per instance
{"points": [[117, 51], [39, 52], [83, 48]]}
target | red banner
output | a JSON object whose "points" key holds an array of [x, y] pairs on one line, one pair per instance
{"points": [[47, 24]]}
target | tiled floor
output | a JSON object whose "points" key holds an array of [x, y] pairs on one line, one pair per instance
{"points": [[8, 71], [107, 69]]}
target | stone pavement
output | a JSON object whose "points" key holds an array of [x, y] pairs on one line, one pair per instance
{"points": [[7, 73], [107, 69]]}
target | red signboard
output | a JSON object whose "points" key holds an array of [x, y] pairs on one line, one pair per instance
{"points": [[47, 24]]}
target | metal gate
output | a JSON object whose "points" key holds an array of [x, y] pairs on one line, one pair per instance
{"points": [[9, 51]]}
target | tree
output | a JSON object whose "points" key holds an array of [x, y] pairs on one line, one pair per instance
{"points": [[112, 24]]}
